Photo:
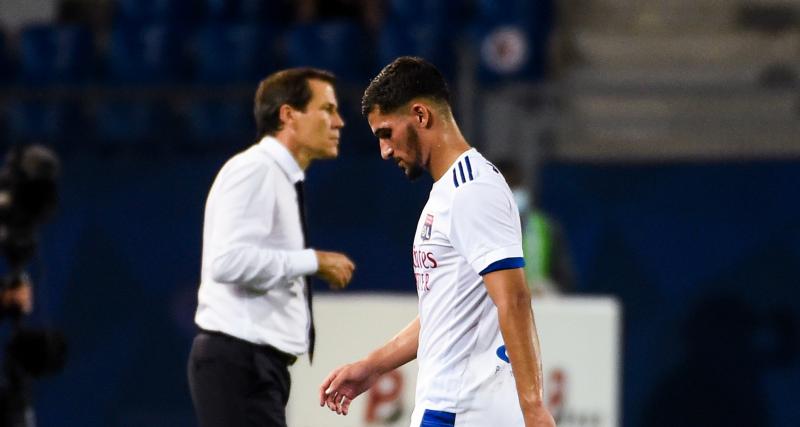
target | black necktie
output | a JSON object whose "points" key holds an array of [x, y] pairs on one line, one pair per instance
{"points": [[301, 204]]}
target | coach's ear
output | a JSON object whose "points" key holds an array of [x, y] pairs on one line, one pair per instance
{"points": [[422, 115], [286, 114]]}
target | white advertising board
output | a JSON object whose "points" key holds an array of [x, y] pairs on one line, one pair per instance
{"points": [[580, 340]]}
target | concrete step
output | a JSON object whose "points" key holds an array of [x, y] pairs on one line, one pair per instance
{"points": [[728, 49], [675, 143], [760, 105], [652, 16], [670, 78]]}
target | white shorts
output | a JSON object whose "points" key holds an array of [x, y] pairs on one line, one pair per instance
{"points": [[496, 406]]}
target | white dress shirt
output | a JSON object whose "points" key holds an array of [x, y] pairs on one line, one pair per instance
{"points": [[251, 284]]}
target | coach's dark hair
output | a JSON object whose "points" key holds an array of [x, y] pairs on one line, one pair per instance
{"points": [[284, 87], [406, 78]]}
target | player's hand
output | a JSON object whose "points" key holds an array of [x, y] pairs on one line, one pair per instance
{"points": [[539, 416], [344, 384], [335, 268]]}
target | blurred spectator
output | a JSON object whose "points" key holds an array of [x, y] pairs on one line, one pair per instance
{"points": [[369, 12], [768, 18], [95, 14], [278, 12], [5, 64], [562, 50], [548, 266]]}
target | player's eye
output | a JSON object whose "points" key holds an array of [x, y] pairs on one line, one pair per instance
{"points": [[383, 133]]}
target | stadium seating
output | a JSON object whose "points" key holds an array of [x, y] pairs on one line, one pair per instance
{"points": [[418, 39], [340, 46], [510, 39], [133, 124], [141, 12], [226, 122], [53, 121], [273, 11], [432, 11], [234, 53], [512, 10], [144, 55], [53, 54], [5, 64], [508, 52], [356, 137]]}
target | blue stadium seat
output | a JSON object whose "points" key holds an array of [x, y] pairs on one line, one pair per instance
{"points": [[426, 40], [508, 52], [131, 123], [274, 11], [234, 53], [340, 46], [513, 10], [143, 12], [52, 54], [52, 122], [144, 55], [220, 122], [510, 37], [442, 12]]}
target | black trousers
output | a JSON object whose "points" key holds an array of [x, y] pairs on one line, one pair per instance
{"points": [[236, 383]]}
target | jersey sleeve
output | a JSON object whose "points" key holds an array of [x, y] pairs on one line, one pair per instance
{"points": [[485, 227]]}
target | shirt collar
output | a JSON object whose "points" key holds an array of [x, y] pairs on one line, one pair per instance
{"points": [[471, 150], [283, 157]]}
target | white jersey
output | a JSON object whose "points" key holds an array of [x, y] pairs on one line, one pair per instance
{"points": [[469, 227]]}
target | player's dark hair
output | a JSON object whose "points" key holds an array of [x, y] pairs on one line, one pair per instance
{"points": [[284, 87], [406, 78]]}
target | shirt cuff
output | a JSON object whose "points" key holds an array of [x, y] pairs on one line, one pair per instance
{"points": [[483, 261], [303, 263]]}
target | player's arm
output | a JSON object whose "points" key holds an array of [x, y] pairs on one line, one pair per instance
{"points": [[398, 351], [510, 294], [346, 382]]}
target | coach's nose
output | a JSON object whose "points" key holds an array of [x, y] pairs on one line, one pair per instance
{"points": [[338, 121]]}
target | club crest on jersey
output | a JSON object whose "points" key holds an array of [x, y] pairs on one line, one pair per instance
{"points": [[427, 228]]}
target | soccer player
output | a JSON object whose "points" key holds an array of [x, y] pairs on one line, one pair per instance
{"points": [[475, 321]]}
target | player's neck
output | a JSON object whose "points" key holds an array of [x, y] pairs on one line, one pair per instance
{"points": [[445, 151]]}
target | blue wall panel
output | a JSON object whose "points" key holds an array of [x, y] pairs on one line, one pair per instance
{"points": [[705, 259]]}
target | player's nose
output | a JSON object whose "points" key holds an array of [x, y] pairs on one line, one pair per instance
{"points": [[386, 150]]}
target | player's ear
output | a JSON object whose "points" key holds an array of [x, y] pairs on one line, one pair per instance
{"points": [[422, 115]]}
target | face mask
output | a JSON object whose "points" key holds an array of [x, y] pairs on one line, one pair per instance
{"points": [[522, 198]]}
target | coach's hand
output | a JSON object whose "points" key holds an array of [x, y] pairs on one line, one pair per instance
{"points": [[344, 384], [335, 268]]}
